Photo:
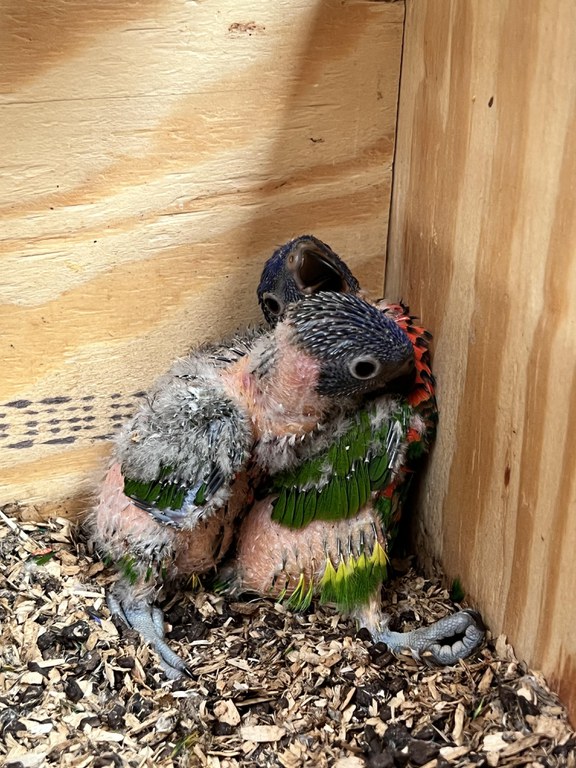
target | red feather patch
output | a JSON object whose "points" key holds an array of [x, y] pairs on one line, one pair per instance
{"points": [[424, 382]]}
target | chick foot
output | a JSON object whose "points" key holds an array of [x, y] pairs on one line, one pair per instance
{"points": [[443, 643], [148, 620]]}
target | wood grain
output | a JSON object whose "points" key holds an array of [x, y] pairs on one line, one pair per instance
{"points": [[152, 155], [482, 240]]}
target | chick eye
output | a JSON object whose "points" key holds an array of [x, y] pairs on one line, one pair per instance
{"points": [[365, 368], [272, 304]]}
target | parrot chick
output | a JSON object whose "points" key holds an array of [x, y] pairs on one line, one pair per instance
{"points": [[327, 525], [168, 504]]}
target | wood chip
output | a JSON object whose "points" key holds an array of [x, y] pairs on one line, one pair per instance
{"points": [[32, 678], [451, 754], [25, 758], [270, 687], [522, 745], [494, 742], [225, 711], [262, 733], [458, 729]]}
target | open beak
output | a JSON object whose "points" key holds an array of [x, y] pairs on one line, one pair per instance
{"points": [[315, 271]]}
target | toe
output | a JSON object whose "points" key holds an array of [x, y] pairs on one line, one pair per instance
{"points": [[115, 608], [148, 621], [172, 664], [455, 638], [441, 644], [158, 620]]}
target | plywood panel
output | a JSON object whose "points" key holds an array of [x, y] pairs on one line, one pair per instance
{"points": [[483, 238], [152, 155]]}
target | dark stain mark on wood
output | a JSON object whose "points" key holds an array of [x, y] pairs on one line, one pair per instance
{"points": [[66, 421]]}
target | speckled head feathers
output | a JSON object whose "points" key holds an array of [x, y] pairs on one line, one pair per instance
{"points": [[302, 267], [360, 348]]}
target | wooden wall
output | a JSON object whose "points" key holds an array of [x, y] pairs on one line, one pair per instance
{"points": [[483, 243], [152, 155]]}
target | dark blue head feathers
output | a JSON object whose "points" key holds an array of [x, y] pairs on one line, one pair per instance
{"points": [[302, 267], [360, 348]]}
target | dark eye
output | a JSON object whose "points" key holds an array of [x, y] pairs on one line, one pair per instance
{"points": [[364, 367], [272, 304]]}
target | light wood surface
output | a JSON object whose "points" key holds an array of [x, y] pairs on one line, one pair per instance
{"points": [[483, 244], [152, 155]]}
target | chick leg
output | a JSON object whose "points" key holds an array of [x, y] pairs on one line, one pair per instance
{"points": [[150, 554], [270, 559], [143, 550], [148, 620], [443, 643]]}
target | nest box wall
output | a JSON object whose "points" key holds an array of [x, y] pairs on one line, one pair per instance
{"points": [[152, 155], [482, 242]]}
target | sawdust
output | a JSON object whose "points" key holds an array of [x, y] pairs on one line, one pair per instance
{"points": [[271, 688]]}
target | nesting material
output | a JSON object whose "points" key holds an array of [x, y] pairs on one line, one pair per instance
{"points": [[271, 688]]}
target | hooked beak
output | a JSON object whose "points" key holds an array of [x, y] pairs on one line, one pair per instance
{"points": [[404, 378], [314, 270]]}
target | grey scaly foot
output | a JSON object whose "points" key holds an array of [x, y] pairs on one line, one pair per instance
{"points": [[443, 643], [148, 621]]}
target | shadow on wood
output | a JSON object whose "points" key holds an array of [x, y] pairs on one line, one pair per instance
{"points": [[151, 161]]}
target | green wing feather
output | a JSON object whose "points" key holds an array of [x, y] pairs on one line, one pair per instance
{"points": [[339, 483], [162, 493]]}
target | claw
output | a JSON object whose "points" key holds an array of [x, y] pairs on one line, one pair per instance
{"points": [[148, 621], [443, 643]]}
